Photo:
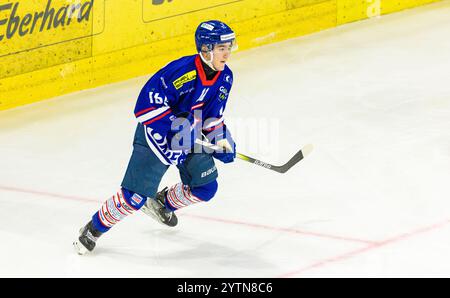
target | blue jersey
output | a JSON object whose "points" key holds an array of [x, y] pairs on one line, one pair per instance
{"points": [[181, 86]]}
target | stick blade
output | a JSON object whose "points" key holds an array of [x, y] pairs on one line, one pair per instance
{"points": [[305, 151]]}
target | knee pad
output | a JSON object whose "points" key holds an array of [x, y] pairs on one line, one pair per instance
{"points": [[205, 192]]}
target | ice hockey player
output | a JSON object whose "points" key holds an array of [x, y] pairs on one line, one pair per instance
{"points": [[182, 102]]}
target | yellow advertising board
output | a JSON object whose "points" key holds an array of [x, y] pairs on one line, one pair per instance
{"points": [[53, 47]]}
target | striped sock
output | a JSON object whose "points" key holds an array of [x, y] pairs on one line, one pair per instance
{"points": [[180, 196], [116, 208]]}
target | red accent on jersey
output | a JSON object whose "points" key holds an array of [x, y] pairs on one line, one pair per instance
{"points": [[144, 111], [202, 75], [159, 117], [214, 127], [198, 106]]}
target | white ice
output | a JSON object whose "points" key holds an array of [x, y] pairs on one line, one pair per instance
{"points": [[372, 200]]}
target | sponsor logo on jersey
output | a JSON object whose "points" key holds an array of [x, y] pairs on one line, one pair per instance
{"points": [[161, 149], [228, 79], [187, 77], [187, 91], [223, 93]]}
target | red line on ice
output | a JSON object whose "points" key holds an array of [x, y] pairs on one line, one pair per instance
{"points": [[370, 245], [328, 261], [47, 194], [227, 221], [278, 229]]}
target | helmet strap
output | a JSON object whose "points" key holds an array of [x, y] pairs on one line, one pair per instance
{"points": [[209, 63]]}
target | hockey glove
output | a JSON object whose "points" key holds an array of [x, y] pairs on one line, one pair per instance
{"points": [[184, 132], [222, 138]]}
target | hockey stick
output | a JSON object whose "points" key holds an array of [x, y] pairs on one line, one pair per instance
{"points": [[305, 151]]}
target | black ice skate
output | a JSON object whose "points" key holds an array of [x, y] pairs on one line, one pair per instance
{"points": [[88, 236], [156, 209]]}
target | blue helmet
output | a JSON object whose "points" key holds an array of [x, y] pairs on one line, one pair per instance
{"points": [[213, 32]]}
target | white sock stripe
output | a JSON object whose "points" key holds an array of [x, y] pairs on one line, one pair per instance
{"points": [[184, 192], [112, 209], [106, 215], [124, 204], [175, 204], [191, 195], [174, 194], [109, 215], [103, 220], [129, 209], [197, 200], [108, 220], [117, 203], [171, 200], [174, 201], [188, 194], [180, 196], [177, 194], [115, 210], [172, 204]]}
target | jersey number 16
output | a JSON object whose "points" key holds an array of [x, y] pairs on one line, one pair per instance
{"points": [[156, 99]]}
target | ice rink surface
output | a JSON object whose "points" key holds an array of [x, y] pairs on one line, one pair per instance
{"points": [[372, 200]]}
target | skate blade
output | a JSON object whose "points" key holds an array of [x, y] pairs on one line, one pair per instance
{"points": [[156, 217], [79, 248], [152, 214]]}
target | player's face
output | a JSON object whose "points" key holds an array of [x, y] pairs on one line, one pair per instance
{"points": [[221, 53]]}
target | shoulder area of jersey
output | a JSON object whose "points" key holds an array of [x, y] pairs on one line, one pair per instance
{"points": [[228, 75], [181, 63], [184, 70], [177, 68]]}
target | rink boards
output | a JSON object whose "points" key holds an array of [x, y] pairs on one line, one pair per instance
{"points": [[53, 47]]}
